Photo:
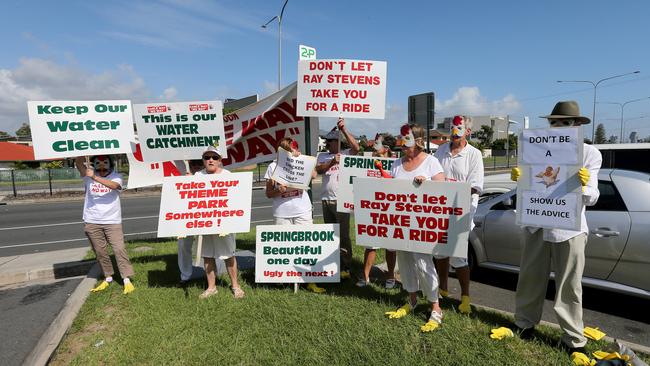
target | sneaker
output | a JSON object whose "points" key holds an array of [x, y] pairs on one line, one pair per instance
{"points": [[315, 289], [207, 293], [363, 283], [390, 283], [182, 284], [523, 333], [238, 292]]}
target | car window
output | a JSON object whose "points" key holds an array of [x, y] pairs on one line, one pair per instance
{"points": [[609, 200], [502, 206]]}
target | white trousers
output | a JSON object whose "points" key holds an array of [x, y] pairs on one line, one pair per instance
{"points": [[418, 273], [188, 271]]}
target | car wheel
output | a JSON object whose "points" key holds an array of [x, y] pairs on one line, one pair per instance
{"points": [[471, 260]]}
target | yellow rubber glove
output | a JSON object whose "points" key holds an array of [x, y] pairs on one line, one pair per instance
{"points": [[429, 326], [580, 359], [315, 289], [602, 355], [400, 312], [128, 288], [515, 173], [101, 287], [465, 307], [500, 333], [593, 333], [443, 293], [345, 275], [584, 175]]}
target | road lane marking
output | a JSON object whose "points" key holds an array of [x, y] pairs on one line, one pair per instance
{"points": [[84, 239]]}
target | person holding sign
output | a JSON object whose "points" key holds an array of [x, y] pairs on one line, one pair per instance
{"points": [[462, 162], [369, 255], [290, 206], [328, 167], [417, 269], [103, 219], [221, 246], [185, 243], [562, 250]]}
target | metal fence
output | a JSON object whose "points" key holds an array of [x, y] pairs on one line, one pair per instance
{"points": [[498, 159], [24, 181]]}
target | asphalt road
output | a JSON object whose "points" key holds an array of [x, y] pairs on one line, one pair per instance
{"points": [[26, 313], [42, 227]]}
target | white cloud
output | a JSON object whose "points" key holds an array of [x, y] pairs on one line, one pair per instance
{"points": [[468, 100], [169, 94], [39, 79]]}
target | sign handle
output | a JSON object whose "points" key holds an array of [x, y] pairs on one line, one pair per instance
{"points": [[199, 247], [295, 287]]}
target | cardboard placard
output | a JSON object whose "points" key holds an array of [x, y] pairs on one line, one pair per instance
{"points": [[293, 171], [63, 129], [297, 253], [205, 204], [342, 88], [432, 218], [143, 174], [357, 166]]}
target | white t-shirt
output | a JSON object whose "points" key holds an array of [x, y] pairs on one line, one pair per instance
{"points": [[330, 184], [102, 204], [292, 203], [466, 166], [428, 168]]}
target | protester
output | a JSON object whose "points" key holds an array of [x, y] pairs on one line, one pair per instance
{"points": [[382, 151], [102, 217], [220, 246], [328, 167], [185, 243], [417, 269], [290, 206], [562, 250], [462, 162]]}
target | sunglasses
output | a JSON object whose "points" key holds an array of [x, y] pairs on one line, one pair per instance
{"points": [[562, 122], [213, 157]]}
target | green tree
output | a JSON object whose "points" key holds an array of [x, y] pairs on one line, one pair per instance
{"points": [[500, 144], [3, 134], [24, 131], [600, 134], [484, 135]]}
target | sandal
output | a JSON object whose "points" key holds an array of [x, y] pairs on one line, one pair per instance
{"points": [[238, 292], [207, 293]]}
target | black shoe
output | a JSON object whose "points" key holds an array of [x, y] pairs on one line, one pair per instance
{"points": [[523, 333], [182, 284], [570, 350]]}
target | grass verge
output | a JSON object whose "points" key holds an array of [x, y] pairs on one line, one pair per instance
{"points": [[160, 324]]}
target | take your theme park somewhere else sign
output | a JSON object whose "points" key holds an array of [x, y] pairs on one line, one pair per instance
{"points": [[205, 204], [169, 131], [63, 129], [253, 132], [549, 193], [432, 218], [293, 171], [357, 166], [297, 253], [342, 88]]}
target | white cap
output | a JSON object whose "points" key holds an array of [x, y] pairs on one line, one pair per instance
{"points": [[212, 149]]}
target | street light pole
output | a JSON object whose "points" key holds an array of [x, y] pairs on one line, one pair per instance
{"points": [[622, 105], [279, 18], [595, 84]]}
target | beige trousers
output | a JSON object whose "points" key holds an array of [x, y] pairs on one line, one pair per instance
{"points": [[331, 216], [568, 261], [100, 235]]}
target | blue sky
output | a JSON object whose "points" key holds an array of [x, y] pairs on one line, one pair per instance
{"points": [[479, 57]]}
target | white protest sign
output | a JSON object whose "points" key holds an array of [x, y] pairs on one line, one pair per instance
{"points": [[293, 171], [297, 253], [205, 204], [549, 193], [169, 131], [357, 166], [342, 88], [432, 218], [62, 129], [143, 174], [306, 52]]}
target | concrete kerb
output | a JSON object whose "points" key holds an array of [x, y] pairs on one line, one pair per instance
{"points": [[56, 271], [50, 340]]}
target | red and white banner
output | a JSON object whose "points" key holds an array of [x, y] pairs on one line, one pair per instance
{"points": [[342, 88], [143, 174], [253, 132]]}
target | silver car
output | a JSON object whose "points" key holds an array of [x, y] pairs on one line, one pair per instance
{"points": [[618, 248]]}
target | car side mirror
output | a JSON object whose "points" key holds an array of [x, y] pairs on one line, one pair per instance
{"points": [[508, 203]]}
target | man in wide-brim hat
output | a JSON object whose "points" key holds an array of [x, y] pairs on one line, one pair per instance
{"points": [[563, 249]]}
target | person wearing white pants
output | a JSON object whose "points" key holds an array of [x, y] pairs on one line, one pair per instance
{"points": [[416, 269], [185, 267]]}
